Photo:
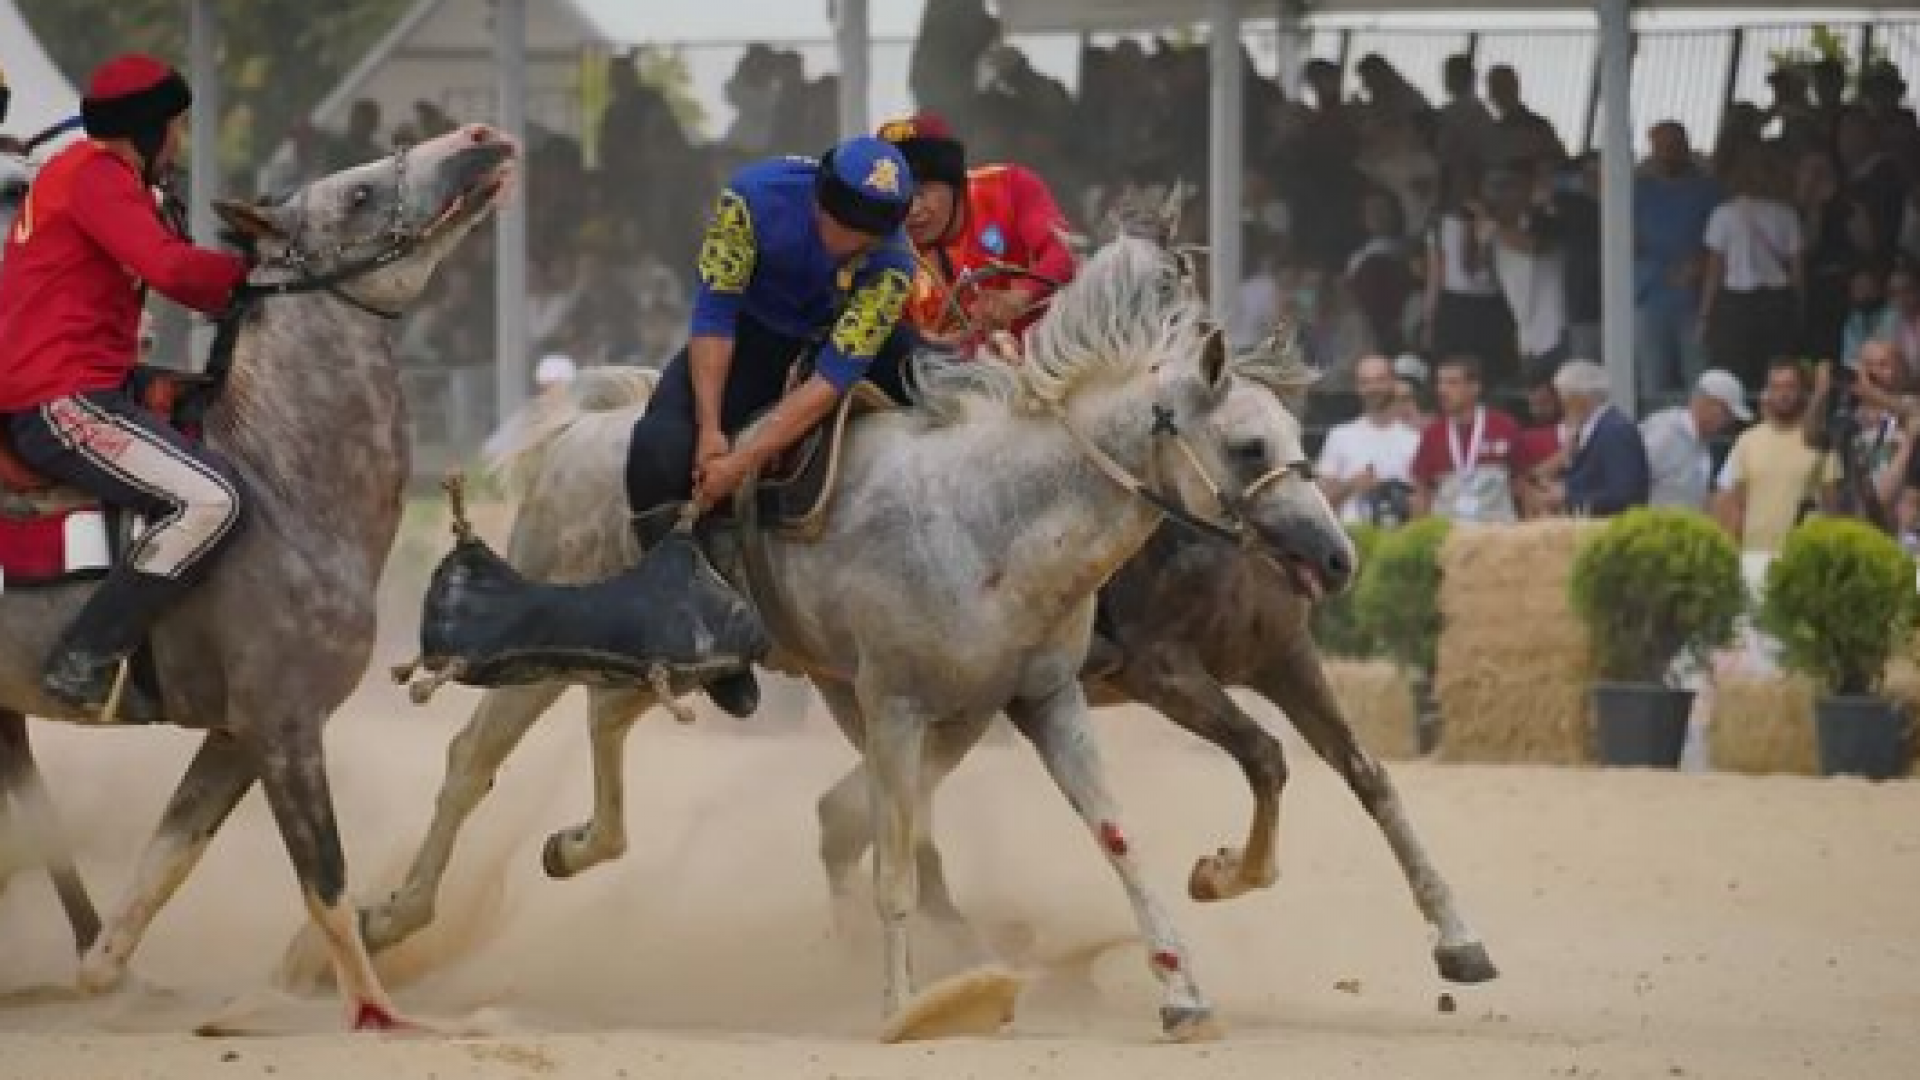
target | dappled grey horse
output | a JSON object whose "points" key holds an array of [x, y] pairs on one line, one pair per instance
{"points": [[262, 654], [955, 575]]}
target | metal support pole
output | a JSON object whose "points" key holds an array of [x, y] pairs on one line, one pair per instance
{"points": [[852, 35], [1226, 150], [510, 248], [1616, 199], [178, 339]]}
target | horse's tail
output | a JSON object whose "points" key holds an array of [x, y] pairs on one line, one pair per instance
{"points": [[517, 451]]}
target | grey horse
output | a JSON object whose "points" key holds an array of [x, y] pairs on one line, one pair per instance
{"points": [[987, 515], [262, 654], [1187, 618]]}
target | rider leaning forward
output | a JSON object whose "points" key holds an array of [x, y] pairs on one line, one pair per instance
{"points": [[965, 221], [803, 274], [88, 242]]}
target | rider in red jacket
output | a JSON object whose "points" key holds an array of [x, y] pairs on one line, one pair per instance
{"points": [[87, 243], [962, 221]]}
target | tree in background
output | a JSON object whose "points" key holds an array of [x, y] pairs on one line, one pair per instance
{"points": [[278, 58]]}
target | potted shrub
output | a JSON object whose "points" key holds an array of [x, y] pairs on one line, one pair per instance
{"points": [[1337, 629], [1398, 600], [1652, 586], [1839, 599]]}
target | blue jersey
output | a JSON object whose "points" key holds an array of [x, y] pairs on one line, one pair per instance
{"points": [[762, 257]]}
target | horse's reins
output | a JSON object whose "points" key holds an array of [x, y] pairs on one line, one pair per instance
{"points": [[1232, 526]]}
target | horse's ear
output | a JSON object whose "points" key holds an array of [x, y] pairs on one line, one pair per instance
{"points": [[249, 221], [1213, 359]]}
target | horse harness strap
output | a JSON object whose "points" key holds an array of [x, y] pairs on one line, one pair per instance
{"points": [[1231, 528]]}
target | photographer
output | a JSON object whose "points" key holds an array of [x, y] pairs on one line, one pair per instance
{"points": [[1864, 430]]}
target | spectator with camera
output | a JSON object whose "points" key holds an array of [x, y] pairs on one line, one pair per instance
{"points": [[1863, 428]]}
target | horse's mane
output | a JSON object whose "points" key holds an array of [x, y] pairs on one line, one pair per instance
{"points": [[1126, 309], [1279, 363]]}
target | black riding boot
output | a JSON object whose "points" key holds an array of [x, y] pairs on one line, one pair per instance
{"points": [[81, 670], [736, 695]]}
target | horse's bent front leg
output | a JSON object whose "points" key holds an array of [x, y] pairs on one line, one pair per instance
{"points": [[219, 775], [583, 847], [1182, 690], [20, 777], [1299, 687], [1057, 725], [473, 759]]}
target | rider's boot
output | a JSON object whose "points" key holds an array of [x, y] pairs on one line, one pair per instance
{"points": [[86, 660]]}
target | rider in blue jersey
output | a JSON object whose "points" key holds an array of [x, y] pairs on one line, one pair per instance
{"points": [[804, 261]]}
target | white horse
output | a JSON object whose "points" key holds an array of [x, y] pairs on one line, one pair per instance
{"points": [[955, 575]]}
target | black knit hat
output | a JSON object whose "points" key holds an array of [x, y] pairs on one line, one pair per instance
{"points": [[931, 150], [135, 97], [865, 184]]}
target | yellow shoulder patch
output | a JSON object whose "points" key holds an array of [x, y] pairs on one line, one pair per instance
{"points": [[871, 315], [728, 253]]}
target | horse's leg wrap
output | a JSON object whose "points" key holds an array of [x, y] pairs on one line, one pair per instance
{"points": [[1058, 726]]}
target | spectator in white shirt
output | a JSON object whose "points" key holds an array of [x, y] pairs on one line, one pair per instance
{"points": [[1749, 310], [1365, 465], [1677, 439]]}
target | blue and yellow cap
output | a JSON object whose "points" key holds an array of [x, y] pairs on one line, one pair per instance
{"points": [[864, 184]]}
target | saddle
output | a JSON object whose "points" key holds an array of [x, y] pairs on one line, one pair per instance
{"points": [[54, 534], [791, 500]]}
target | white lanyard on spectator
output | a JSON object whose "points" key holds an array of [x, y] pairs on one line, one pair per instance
{"points": [[1473, 441]]}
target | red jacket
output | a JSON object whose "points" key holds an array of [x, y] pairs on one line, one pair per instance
{"points": [[86, 243], [1010, 219]]}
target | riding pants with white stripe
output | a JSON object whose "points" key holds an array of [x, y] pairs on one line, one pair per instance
{"points": [[106, 444]]}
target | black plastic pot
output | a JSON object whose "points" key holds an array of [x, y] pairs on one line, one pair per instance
{"points": [[1861, 736], [1641, 725]]}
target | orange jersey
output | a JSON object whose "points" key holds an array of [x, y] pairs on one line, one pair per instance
{"points": [[1010, 219]]}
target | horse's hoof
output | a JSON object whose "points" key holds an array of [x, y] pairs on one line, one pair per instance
{"points": [[1468, 963], [1188, 1024], [100, 974], [1223, 876], [553, 854], [381, 1019]]}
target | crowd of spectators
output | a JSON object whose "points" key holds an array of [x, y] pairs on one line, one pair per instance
{"points": [[1455, 243]]}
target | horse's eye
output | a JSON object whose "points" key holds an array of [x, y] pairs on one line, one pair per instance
{"points": [[362, 194], [1248, 453]]}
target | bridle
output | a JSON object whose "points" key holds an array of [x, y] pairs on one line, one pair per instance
{"points": [[314, 271], [1231, 524], [328, 269]]}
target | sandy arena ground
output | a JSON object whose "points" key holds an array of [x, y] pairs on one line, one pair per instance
{"points": [[1646, 925]]}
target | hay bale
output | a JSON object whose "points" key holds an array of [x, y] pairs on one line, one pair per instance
{"points": [[1762, 725], [1512, 681], [1376, 699]]}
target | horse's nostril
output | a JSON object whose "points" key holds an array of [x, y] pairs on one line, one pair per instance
{"points": [[479, 134], [1338, 565]]}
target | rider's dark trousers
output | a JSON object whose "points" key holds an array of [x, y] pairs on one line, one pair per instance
{"points": [[107, 445], [660, 463]]}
